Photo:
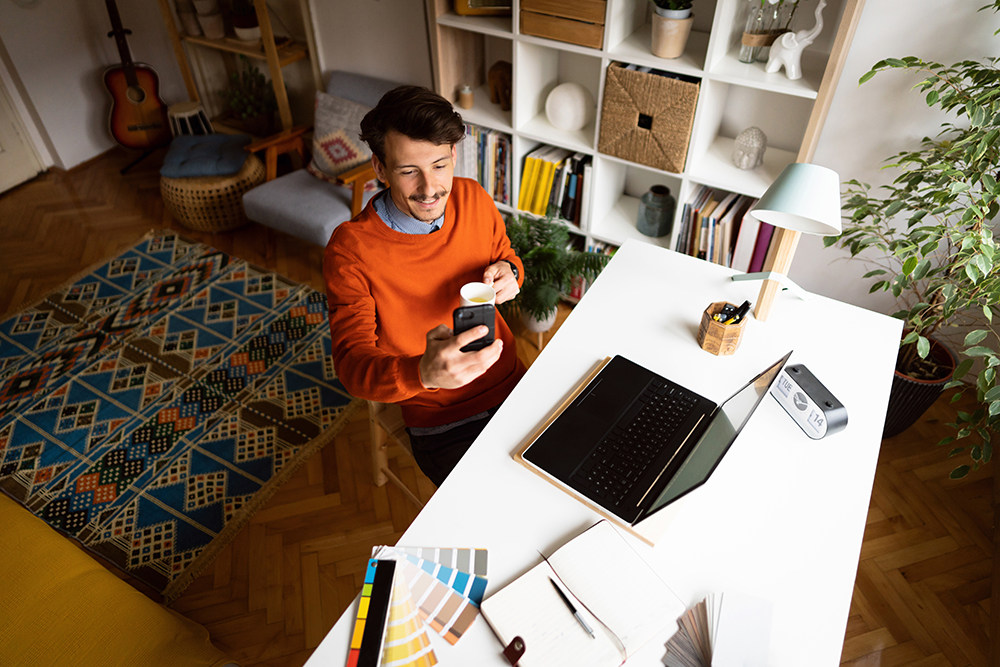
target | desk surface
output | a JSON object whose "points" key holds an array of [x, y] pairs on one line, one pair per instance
{"points": [[782, 517]]}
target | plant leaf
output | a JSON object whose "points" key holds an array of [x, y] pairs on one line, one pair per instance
{"points": [[960, 472]]}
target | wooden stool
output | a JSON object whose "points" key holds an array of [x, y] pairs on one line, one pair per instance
{"points": [[188, 118]]}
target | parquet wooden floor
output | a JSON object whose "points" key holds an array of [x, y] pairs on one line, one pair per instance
{"points": [[922, 595]]}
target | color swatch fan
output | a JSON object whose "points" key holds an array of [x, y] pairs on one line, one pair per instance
{"points": [[407, 590]]}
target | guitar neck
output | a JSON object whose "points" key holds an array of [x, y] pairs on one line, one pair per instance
{"points": [[119, 34]]}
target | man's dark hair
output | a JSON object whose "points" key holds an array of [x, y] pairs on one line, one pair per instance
{"points": [[415, 112]]}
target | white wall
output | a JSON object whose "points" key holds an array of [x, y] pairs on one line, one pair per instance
{"points": [[58, 50], [381, 38], [874, 121]]}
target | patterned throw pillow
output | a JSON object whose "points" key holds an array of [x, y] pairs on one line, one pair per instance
{"points": [[336, 147]]}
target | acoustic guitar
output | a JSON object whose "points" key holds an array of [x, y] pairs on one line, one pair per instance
{"points": [[138, 117]]}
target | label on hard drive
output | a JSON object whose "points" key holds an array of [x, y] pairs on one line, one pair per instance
{"points": [[808, 402]]}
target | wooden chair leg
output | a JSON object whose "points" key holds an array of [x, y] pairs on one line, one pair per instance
{"points": [[379, 449]]}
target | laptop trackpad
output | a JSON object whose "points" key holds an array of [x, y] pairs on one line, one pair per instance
{"points": [[567, 441]]}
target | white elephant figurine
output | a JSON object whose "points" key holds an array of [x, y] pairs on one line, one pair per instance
{"points": [[787, 49]]}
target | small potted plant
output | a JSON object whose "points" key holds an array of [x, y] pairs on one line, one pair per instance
{"points": [[932, 232], [551, 265], [250, 99], [671, 26], [243, 16]]}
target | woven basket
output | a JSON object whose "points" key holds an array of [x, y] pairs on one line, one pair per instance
{"points": [[212, 203], [647, 118]]}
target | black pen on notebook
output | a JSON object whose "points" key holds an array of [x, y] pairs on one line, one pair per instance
{"points": [[572, 608]]}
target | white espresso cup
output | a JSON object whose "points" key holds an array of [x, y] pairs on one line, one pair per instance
{"points": [[476, 294]]}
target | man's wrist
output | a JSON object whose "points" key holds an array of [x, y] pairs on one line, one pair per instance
{"points": [[513, 268]]}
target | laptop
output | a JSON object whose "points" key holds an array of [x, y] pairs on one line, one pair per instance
{"points": [[632, 441]]}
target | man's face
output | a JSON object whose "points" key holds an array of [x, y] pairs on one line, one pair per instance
{"points": [[419, 174]]}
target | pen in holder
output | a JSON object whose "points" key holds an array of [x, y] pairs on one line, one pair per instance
{"points": [[717, 337]]}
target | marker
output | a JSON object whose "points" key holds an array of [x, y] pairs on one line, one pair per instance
{"points": [[572, 609]]}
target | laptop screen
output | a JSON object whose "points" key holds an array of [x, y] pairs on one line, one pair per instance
{"points": [[722, 430]]}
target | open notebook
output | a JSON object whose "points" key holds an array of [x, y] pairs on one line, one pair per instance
{"points": [[619, 596]]}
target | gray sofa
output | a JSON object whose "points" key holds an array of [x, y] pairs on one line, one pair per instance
{"points": [[300, 204]]}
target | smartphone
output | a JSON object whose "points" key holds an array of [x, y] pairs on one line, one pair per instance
{"points": [[468, 317]]}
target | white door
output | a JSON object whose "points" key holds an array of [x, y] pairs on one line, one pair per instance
{"points": [[18, 161]]}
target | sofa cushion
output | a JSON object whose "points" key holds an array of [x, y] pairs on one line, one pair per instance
{"points": [[336, 147], [205, 155], [300, 205]]}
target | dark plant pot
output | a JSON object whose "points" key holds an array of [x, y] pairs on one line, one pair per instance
{"points": [[910, 398], [258, 126]]}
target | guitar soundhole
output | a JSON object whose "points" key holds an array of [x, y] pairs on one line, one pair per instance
{"points": [[136, 95]]}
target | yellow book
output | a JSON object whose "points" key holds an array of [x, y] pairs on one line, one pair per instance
{"points": [[549, 162], [529, 178]]}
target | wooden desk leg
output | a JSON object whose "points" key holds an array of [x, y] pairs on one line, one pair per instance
{"points": [[779, 259]]}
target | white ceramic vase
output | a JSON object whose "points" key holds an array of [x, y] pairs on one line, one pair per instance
{"points": [[569, 106]]}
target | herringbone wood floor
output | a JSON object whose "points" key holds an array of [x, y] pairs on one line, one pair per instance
{"points": [[922, 595]]}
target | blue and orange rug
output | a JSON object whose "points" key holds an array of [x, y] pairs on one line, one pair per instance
{"points": [[148, 408]]}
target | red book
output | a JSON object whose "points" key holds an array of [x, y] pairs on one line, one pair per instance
{"points": [[760, 247]]}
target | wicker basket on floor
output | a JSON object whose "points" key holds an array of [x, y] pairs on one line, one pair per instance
{"points": [[212, 203]]}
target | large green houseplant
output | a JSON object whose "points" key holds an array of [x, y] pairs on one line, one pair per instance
{"points": [[550, 265], [932, 230]]}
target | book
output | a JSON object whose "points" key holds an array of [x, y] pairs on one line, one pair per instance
{"points": [[724, 630], [721, 227], [548, 163], [585, 193], [746, 237], [705, 229], [528, 178], [616, 593], [760, 247]]}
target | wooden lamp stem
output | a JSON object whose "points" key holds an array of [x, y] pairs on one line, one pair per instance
{"points": [[779, 259]]}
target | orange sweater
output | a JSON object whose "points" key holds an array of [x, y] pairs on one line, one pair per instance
{"points": [[387, 289]]}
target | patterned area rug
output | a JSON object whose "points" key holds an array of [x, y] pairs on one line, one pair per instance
{"points": [[148, 408]]}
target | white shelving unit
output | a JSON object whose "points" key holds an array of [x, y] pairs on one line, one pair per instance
{"points": [[732, 96]]}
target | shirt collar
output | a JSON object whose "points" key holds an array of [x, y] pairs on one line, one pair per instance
{"points": [[395, 219]]}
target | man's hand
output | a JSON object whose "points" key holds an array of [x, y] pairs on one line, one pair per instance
{"points": [[501, 278], [445, 366]]}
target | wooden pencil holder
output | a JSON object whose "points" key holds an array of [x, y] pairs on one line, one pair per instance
{"points": [[716, 337]]}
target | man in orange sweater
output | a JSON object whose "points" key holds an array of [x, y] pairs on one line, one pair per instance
{"points": [[393, 275]]}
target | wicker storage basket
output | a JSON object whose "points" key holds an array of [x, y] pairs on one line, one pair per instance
{"points": [[647, 117], [212, 203]]}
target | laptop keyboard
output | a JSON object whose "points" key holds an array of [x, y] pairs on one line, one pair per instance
{"points": [[618, 462]]}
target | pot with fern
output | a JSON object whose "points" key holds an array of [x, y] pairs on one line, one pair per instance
{"points": [[250, 100], [931, 233], [671, 26], [551, 265]]}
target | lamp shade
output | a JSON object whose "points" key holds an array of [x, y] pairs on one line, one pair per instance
{"points": [[804, 198]]}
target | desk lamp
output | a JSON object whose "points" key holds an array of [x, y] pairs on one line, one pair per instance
{"points": [[805, 198]]}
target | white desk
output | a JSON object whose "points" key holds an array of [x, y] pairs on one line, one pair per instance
{"points": [[781, 518]]}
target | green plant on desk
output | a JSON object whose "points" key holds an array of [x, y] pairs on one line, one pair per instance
{"points": [[550, 265], [932, 228]]}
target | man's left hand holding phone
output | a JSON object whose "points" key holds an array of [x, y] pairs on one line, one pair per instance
{"points": [[444, 365]]}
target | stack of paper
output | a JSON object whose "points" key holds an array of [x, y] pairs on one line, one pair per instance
{"points": [[723, 630], [431, 587]]}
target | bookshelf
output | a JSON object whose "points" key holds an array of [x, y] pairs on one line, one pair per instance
{"points": [[731, 97], [273, 52]]}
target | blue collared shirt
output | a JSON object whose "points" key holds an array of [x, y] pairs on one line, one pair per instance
{"points": [[390, 214]]}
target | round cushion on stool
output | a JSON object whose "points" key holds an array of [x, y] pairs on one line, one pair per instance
{"points": [[212, 203]]}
